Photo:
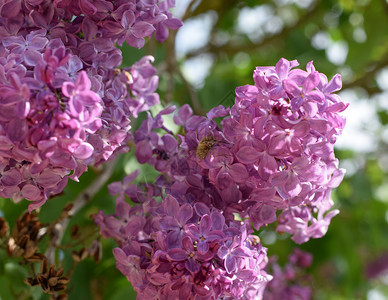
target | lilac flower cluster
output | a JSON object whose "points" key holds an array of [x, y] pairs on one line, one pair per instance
{"points": [[273, 152], [270, 160], [293, 124], [172, 250], [291, 282], [64, 105]]}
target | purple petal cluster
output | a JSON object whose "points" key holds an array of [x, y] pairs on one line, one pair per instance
{"points": [[290, 282], [64, 104], [172, 250]]}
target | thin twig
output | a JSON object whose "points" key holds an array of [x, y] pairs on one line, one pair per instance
{"points": [[80, 201], [83, 198], [80, 241], [72, 269], [368, 77]]}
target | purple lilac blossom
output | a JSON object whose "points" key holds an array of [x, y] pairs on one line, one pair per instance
{"points": [[64, 104]]}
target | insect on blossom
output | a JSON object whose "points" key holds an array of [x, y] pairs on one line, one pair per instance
{"points": [[204, 146]]}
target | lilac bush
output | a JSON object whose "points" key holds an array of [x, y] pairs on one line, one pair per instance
{"points": [[65, 104]]}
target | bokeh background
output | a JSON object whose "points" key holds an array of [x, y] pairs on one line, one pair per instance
{"points": [[217, 50]]}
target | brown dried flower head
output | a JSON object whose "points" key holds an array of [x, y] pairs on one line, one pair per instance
{"points": [[25, 236], [50, 279]]}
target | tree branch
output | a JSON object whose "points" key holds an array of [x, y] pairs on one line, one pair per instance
{"points": [[173, 68], [80, 201], [188, 10], [365, 80], [250, 47]]}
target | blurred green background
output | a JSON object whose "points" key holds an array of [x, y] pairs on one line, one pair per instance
{"points": [[217, 50]]}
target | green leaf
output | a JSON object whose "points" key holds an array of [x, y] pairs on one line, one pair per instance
{"points": [[383, 116], [16, 275]]}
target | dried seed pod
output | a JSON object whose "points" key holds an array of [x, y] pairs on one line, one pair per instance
{"points": [[66, 210], [63, 280], [4, 228], [24, 241], [95, 250], [53, 281], [59, 288], [31, 281], [52, 272], [23, 247], [59, 272], [58, 297], [30, 249], [44, 266], [74, 232], [37, 257], [42, 279], [68, 207], [79, 255]]}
